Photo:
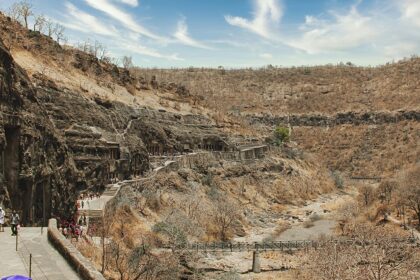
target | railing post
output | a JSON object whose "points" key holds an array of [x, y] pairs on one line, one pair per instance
{"points": [[256, 267], [17, 241], [30, 265]]}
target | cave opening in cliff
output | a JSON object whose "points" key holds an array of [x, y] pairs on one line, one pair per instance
{"points": [[38, 204], [41, 203], [12, 164]]}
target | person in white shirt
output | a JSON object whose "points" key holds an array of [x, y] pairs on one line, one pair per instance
{"points": [[2, 215]]}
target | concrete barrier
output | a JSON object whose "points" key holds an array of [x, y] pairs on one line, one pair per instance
{"points": [[80, 264]]}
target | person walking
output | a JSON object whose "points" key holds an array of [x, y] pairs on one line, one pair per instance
{"points": [[2, 215], [15, 219]]}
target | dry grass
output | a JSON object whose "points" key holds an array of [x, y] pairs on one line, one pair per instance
{"points": [[299, 89]]}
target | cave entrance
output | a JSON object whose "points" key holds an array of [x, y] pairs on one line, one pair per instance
{"points": [[41, 203], [38, 204], [11, 165], [39, 211]]}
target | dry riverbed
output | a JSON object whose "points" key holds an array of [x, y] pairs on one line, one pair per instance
{"points": [[315, 219]]}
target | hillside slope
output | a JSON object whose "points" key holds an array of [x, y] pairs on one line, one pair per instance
{"points": [[347, 116], [116, 128]]}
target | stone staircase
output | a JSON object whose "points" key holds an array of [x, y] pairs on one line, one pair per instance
{"points": [[92, 213], [111, 190], [95, 208]]}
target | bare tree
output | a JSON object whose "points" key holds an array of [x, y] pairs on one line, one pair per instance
{"points": [[127, 62], [84, 46], [39, 23], [59, 32], [347, 213], [99, 50], [21, 11], [225, 214], [65, 40], [401, 202], [134, 261], [14, 12], [375, 255], [50, 27], [386, 189], [106, 225], [380, 256], [412, 190], [192, 206], [366, 192]]}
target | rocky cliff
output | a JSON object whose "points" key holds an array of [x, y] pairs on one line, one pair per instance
{"points": [[37, 173], [57, 141]]}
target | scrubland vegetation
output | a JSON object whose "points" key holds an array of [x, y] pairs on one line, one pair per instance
{"points": [[221, 201]]}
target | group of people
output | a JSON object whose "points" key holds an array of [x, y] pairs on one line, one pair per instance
{"points": [[84, 199], [71, 229], [14, 221], [89, 196]]}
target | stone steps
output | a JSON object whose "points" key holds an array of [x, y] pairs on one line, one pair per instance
{"points": [[110, 191], [91, 213]]}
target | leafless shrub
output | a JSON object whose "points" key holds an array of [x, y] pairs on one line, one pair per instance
{"points": [[127, 62], [49, 24], [411, 191], [21, 11], [375, 255], [59, 32], [224, 216], [39, 23], [386, 189], [366, 194]]}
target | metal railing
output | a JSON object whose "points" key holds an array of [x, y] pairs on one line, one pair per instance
{"points": [[279, 245]]}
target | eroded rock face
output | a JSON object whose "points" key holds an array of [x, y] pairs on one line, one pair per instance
{"points": [[56, 142], [36, 172], [353, 118], [96, 133]]}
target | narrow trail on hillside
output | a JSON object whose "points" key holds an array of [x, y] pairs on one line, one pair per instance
{"points": [[412, 230]]}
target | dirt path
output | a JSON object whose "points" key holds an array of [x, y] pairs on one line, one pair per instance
{"points": [[412, 230]]}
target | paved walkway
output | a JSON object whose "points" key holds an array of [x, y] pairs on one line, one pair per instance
{"points": [[11, 263], [47, 263]]}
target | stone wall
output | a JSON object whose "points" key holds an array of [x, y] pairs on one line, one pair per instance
{"points": [[207, 158], [81, 265]]}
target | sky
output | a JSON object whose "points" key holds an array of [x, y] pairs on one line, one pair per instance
{"points": [[241, 33]]}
